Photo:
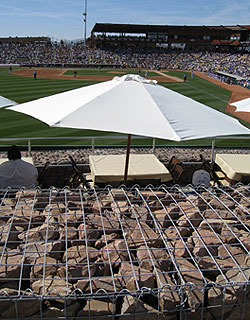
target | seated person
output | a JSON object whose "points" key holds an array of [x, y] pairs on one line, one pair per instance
{"points": [[17, 173], [201, 177]]}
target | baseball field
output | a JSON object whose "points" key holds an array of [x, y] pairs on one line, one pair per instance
{"points": [[21, 87]]}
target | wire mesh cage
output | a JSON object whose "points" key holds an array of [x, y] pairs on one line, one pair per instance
{"points": [[151, 253]]}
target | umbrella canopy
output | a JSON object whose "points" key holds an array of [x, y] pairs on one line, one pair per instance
{"points": [[132, 105], [242, 105], [4, 102]]}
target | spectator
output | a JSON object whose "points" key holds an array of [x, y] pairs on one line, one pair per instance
{"points": [[201, 177], [17, 173], [62, 54]]}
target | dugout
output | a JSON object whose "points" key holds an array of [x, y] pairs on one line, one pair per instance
{"points": [[230, 78]]}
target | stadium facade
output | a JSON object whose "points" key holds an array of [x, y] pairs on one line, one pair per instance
{"points": [[24, 40], [189, 37]]}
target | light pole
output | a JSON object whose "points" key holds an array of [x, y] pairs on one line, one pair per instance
{"points": [[85, 21]]}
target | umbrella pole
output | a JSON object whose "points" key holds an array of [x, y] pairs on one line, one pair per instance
{"points": [[127, 159]]}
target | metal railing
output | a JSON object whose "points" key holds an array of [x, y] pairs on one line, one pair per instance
{"points": [[94, 138]]}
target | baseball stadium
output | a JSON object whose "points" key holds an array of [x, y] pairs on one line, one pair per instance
{"points": [[140, 200]]}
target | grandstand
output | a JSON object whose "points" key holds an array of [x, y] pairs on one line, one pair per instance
{"points": [[215, 38], [24, 40]]}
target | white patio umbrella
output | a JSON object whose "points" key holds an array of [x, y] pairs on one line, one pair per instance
{"points": [[4, 102], [242, 105], [133, 105]]}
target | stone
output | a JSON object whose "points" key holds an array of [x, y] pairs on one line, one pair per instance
{"points": [[34, 250], [224, 202], [118, 195], [240, 312], [216, 224], [168, 292], [88, 234], [55, 313], [141, 213], [76, 271], [239, 277], [173, 213], [108, 222], [239, 192], [171, 234], [227, 250], [101, 286], [242, 213], [206, 242], [81, 254], [96, 309], [137, 309], [43, 199], [215, 214], [106, 239], [79, 262], [6, 212], [244, 202], [42, 233], [55, 287], [135, 278], [150, 196], [143, 233], [220, 302], [101, 205], [228, 235], [9, 235], [16, 308], [161, 218], [150, 258], [27, 212], [120, 207], [198, 202], [191, 275], [245, 241], [42, 268], [214, 267], [187, 207], [13, 266], [192, 218], [114, 253], [70, 218], [180, 248], [56, 209], [128, 225], [70, 235], [26, 194]]}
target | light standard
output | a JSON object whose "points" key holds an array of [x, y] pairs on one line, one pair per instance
{"points": [[85, 21]]}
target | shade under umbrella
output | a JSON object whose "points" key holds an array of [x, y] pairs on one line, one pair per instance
{"points": [[133, 105], [242, 105], [4, 102]]}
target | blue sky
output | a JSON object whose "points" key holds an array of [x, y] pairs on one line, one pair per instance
{"points": [[62, 19]]}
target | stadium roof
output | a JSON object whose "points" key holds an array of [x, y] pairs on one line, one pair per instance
{"points": [[140, 28]]}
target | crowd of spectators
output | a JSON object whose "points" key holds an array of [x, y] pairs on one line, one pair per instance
{"points": [[67, 54]]}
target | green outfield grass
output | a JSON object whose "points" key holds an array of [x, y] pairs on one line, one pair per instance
{"points": [[22, 89]]}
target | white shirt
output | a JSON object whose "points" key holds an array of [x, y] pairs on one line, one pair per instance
{"points": [[18, 173], [201, 177]]}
